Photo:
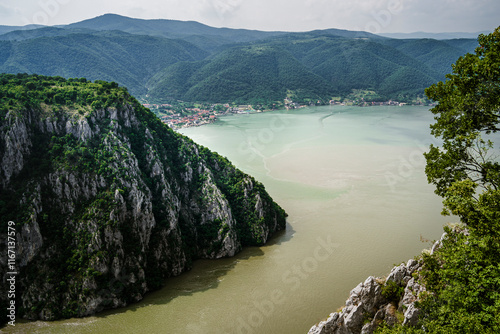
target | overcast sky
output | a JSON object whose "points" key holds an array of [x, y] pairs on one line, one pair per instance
{"points": [[285, 15]]}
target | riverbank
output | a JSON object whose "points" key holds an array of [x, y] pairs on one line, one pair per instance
{"points": [[199, 114]]}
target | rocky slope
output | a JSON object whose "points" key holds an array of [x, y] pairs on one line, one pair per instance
{"points": [[107, 201], [378, 301]]}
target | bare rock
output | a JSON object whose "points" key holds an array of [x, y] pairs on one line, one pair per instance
{"points": [[366, 302], [411, 315]]}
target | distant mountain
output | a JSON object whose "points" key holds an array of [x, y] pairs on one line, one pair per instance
{"points": [[444, 35], [19, 35], [6, 29], [169, 28], [206, 37], [308, 68], [331, 33], [191, 61], [436, 54], [361, 64], [114, 56], [254, 73]]}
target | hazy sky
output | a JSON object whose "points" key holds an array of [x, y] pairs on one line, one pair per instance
{"points": [[289, 15]]}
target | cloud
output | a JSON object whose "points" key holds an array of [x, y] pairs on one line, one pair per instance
{"points": [[6, 13], [447, 16], [13, 12], [292, 15], [222, 10], [370, 15]]}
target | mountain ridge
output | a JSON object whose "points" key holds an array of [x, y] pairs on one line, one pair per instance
{"points": [[135, 52], [92, 22], [434, 35]]}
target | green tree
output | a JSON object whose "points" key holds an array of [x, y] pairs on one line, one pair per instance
{"points": [[462, 278], [465, 170]]}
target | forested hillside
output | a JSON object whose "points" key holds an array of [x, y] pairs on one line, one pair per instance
{"points": [[361, 64], [254, 74], [101, 192], [438, 55], [115, 56], [166, 59]]}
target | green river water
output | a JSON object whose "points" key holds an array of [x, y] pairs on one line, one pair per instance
{"points": [[352, 181]]}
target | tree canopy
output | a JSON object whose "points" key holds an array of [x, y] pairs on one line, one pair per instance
{"points": [[462, 278], [466, 168]]}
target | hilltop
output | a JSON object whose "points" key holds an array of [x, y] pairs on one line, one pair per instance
{"points": [[167, 60]]}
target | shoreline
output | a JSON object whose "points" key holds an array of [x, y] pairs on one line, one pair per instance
{"points": [[251, 112]]}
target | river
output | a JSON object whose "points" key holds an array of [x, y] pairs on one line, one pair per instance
{"points": [[352, 181]]}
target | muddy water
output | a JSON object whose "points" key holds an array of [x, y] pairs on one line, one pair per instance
{"points": [[352, 181]]}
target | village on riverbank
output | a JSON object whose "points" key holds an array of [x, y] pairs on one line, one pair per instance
{"points": [[183, 115]]}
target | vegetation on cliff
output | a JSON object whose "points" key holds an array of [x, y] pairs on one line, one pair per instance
{"points": [[462, 278], [107, 200]]}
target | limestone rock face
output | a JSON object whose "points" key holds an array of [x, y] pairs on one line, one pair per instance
{"points": [[363, 299], [366, 308], [109, 202], [16, 144]]}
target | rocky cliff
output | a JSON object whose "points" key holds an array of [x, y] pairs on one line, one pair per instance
{"points": [[379, 301], [107, 201]]}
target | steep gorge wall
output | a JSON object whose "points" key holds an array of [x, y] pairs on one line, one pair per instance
{"points": [[109, 202]]}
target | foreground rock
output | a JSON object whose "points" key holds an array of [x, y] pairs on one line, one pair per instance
{"points": [[376, 301]]}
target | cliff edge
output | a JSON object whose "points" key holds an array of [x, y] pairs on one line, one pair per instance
{"points": [[107, 201]]}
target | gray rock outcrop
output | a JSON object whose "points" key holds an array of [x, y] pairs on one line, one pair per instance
{"points": [[110, 202], [366, 308]]}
